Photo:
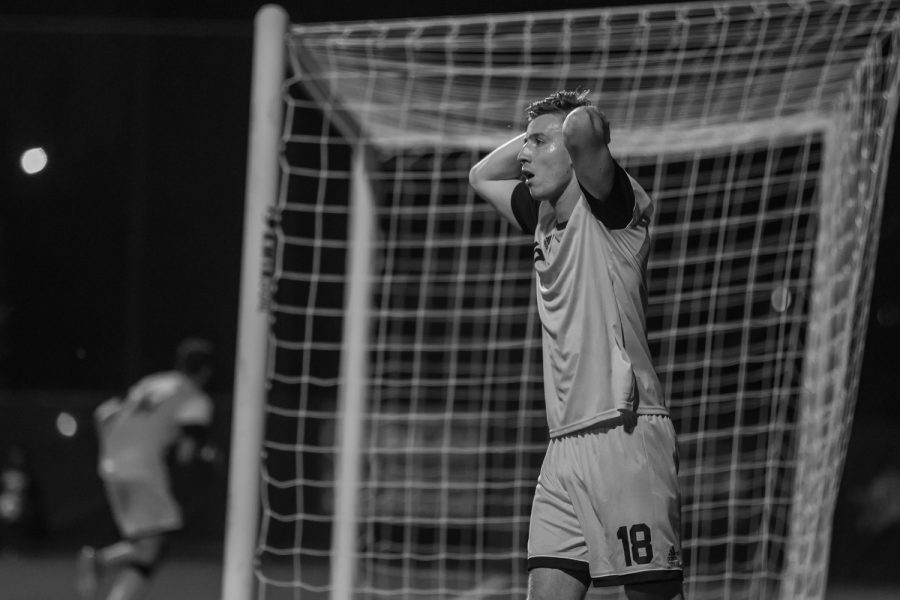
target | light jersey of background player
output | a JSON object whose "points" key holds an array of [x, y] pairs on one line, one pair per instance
{"points": [[591, 242], [136, 435], [163, 411]]}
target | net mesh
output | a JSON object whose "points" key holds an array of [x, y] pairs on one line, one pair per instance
{"points": [[762, 130]]}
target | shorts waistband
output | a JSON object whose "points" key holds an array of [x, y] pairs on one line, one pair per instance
{"points": [[606, 425]]}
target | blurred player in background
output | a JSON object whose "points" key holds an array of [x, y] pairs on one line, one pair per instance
{"points": [[163, 413], [22, 523], [606, 508]]}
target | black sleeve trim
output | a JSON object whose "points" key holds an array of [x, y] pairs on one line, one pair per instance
{"points": [[524, 208], [618, 209]]}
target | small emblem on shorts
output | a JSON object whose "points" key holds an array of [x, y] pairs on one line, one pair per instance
{"points": [[674, 557]]}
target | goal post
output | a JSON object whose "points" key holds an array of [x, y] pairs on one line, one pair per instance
{"points": [[353, 379], [251, 377], [404, 419]]}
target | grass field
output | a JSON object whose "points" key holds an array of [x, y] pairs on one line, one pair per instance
{"points": [[50, 577]]}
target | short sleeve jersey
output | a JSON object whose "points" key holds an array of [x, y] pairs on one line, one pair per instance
{"points": [[590, 279], [135, 439]]}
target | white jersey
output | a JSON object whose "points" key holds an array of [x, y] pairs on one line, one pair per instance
{"points": [[136, 434], [591, 291]]}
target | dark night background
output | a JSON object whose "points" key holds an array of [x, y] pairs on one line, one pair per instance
{"points": [[131, 238]]}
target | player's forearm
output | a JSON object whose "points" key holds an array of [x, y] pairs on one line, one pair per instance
{"points": [[501, 164], [185, 451], [586, 136], [585, 127], [496, 175]]}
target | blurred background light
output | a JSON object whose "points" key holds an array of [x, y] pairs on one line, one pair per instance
{"points": [[66, 424], [33, 160]]}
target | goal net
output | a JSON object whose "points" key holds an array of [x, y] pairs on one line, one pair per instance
{"points": [[404, 418]]}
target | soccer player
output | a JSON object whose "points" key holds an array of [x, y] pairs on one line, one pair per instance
{"points": [[606, 508], [162, 413]]}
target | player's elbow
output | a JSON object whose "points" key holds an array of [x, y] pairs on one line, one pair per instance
{"points": [[585, 129], [477, 177]]}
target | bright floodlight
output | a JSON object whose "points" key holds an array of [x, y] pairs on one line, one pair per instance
{"points": [[33, 160], [66, 424]]}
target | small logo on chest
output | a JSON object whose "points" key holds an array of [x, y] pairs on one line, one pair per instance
{"points": [[542, 248], [547, 240]]}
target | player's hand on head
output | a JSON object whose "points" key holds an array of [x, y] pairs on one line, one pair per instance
{"points": [[586, 122]]}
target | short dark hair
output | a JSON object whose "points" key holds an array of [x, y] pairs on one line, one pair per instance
{"points": [[562, 101]]}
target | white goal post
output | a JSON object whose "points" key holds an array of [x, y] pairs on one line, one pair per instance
{"points": [[248, 414], [388, 403]]}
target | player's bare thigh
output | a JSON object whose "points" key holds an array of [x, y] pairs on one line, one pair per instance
{"points": [[554, 584]]}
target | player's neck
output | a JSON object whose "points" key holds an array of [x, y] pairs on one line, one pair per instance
{"points": [[565, 204]]}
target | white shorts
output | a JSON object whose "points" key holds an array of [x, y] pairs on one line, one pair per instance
{"points": [[142, 507], [608, 506]]}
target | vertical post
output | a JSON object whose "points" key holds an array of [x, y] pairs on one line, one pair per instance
{"points": [[248, 415], [353, 376]]}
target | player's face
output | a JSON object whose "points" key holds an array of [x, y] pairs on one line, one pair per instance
{"points": [[546, 164]]}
